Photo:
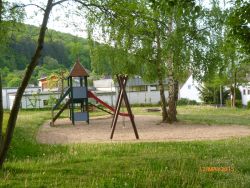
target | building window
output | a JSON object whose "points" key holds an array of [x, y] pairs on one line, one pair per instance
{"points": [[248, 92], [244, 92], [189, 86]]}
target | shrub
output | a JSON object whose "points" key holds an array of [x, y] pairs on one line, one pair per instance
{"points": [[238, 103], [248, 105], [228, 103], [184, 101], [193, 102]]}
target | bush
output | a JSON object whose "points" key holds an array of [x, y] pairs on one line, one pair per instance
{"points": [[184, 101], [238, 103], [248, 105], [193, 102], [228, 103]]}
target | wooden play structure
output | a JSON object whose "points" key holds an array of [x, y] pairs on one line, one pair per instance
{"points": [[77, 95]]}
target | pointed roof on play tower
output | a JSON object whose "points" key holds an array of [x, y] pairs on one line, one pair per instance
{"points": [[78, 70]]}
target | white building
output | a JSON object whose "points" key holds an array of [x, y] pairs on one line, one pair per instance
{"points": [[138, 91], [35, 100], [245, 94], [105, 85], [6, 92], [189, 90]]}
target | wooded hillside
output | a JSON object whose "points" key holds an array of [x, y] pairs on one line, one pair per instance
{"points": [[60, 51]]}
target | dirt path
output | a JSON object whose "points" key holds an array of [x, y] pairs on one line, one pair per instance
{"points": [[149, 129]]}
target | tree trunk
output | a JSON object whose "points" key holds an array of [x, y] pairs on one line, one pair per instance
{"points": [[171, 98], [1, 10], [171, 83], [160, 79], [163, 101], [34, 61], [234, 91], [176, 93], [1, 113]]}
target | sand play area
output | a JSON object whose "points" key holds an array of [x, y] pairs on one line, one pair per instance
{"points": [[149, 129]]}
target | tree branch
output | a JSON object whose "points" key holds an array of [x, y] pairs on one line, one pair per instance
{"points": [[26, 5], [59, 2]]}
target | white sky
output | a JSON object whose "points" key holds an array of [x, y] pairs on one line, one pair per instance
{"points": [[61, 19], [76, 25]]}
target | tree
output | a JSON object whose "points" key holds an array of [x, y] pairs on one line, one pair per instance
{"points": [[155, 34], [229, 61], [13, 79]]}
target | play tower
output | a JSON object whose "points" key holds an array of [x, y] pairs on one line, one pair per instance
{"points": [[77, 93], [77, 80]]}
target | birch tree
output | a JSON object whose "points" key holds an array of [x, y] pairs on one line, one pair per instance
{"points": [[159, 35]]}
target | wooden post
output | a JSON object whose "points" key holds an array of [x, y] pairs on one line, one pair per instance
{"points": [[72, 106], [120, 93], [86, 100]]}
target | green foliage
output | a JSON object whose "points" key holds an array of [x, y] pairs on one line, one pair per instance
{"points": [[51, 101], [238, 103], [238, 99], [50, 63], [210, 94], [238, 23], [132, 33], [184, 101], [238, 94], [13, 79], [248, 105], [60, 52], [228, 103]]}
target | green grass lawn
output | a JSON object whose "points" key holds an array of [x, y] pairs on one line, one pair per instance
{"points": [[163, 164], [206, 115]]}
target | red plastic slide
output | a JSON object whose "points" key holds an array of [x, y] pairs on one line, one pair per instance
{"points": [[92, 95]]}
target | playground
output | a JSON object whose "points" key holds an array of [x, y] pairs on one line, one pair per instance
{"points": [[148, 126], [81, 128]]}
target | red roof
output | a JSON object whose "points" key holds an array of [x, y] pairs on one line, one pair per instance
{"points": [[78, 70]]}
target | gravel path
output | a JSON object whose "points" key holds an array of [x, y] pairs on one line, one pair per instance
{"points": [[149, 129]]}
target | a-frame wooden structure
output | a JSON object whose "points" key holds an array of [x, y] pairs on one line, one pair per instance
{"points": [[122, 95]]}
